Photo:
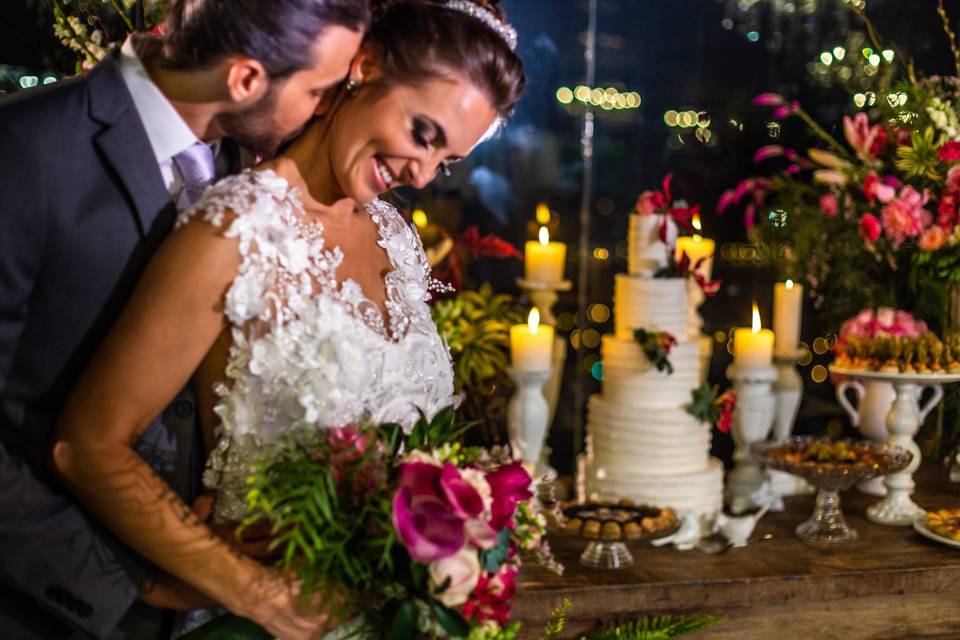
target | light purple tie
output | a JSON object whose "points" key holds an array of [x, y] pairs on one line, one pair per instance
{"points": [[198, 171]]}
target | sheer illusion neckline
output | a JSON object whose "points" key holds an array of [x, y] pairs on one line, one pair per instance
{"points": [[376, 317]]}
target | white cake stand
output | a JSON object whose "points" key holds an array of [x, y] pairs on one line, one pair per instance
{"points": [[903, 422]]}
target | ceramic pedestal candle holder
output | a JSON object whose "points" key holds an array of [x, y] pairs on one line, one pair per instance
{"points": [[752, 422], [788, 390], [528, 415], [544, 296]]}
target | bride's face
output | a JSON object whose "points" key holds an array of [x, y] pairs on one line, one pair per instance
{"points": [[404, 134]]}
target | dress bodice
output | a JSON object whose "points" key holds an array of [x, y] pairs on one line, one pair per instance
{"points": [[310, 350]]}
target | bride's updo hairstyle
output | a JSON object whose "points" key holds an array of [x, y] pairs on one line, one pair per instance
{"points": [[422, 39]]}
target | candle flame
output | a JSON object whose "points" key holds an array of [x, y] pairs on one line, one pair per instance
{"points": [[695, 222], [544, 236], [533, 320], [420, 218], [789, 284], [543, 213], [756, 318]]}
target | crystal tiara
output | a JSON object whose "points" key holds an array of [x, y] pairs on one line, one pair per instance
{"points": [[502, 29]]}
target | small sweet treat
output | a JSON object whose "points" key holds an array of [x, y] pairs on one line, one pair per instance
{"points": [[923, 357], [573, 526], [633, 530], [612, 531], [906, 363], [936, 356], [945, 522], [591, 529]]}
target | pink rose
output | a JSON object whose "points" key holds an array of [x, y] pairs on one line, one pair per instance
{"points": [[884, 322], [424, 520], [870, 227], [860, 134], [649, 202], [875, 189], [828, 204], [462, 569], [904, 217], [932, 239], [509, 485], [463, 499], [491, 600]]}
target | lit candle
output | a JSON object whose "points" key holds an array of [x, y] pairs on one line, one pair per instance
{"points": [[753, 348], [543, 214], [531, 344], [544, 260], [787, 306], [697, 247]]}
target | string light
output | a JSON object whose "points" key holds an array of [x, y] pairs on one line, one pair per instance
{"points": [[604, 97]]}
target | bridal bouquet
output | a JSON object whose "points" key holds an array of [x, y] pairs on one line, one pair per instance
{"points": [[868, 219], [413, 534]]}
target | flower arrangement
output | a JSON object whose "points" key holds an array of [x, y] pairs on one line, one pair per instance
{"points": [[676, 216], [91, 30], [870, 219], [661, 202], [883, 323], [413, 535], [712, 407], [656, 346]]}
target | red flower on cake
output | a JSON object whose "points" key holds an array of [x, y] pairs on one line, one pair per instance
{"points": [[727, 403]]}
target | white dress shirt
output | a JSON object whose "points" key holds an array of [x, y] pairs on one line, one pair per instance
{"points": [[166, 130]]}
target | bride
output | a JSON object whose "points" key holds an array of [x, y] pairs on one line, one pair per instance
{"points": [[292, 296]]}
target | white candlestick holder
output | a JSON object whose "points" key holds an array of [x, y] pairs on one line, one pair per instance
{"points": [[752, 423], [528, 416], [544, 296], [788, 390]]}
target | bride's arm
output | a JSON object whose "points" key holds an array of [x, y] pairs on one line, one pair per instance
{"points": [[170, 323]]}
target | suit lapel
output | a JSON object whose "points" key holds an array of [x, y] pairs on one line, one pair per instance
{"points": [[126, 148]]}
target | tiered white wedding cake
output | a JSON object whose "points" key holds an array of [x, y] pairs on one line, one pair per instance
{"points": [[643, 444]]}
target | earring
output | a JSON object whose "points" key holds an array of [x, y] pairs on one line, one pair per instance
{"points": [[352, 86]]}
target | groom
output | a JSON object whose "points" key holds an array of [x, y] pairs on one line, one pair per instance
{"points": [[92, 172]]}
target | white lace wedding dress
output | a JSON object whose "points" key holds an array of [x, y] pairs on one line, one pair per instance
{"points": [[310, 350]]}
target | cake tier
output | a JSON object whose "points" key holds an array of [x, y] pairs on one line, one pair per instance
{"points": [[630, 380], [700, 492], [646, 441], [646, 252], [655, 304]]}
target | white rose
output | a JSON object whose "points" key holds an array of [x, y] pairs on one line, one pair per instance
{"points": [[463, 570]]}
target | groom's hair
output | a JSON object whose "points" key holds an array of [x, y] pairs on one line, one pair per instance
{"points": [[280, 34]]}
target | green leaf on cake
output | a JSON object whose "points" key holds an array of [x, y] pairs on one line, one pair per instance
{"points": [[656, 346], [704, 406]]}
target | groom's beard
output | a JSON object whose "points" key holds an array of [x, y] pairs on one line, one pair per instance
{"points": [[255, 128]]}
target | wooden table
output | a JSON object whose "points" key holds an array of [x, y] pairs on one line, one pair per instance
{"points": [[889, 584]]}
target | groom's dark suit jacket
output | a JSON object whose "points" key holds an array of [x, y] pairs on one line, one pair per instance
{"points": [[82, 208]]}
